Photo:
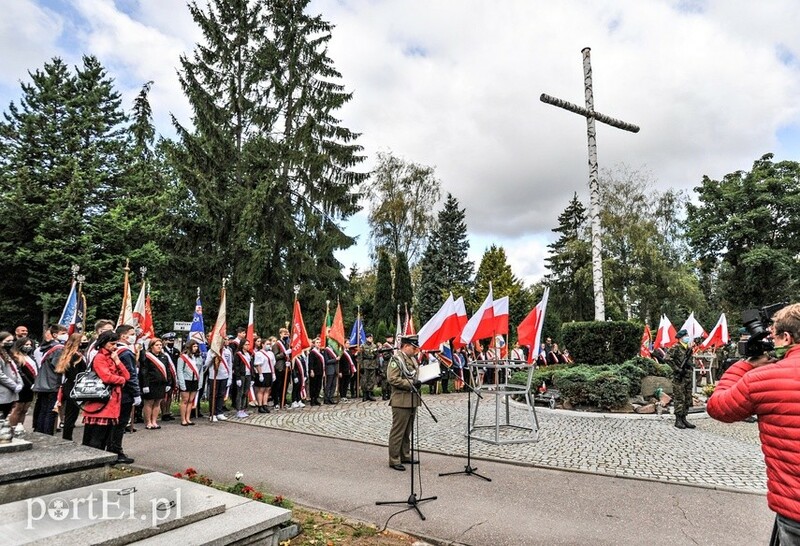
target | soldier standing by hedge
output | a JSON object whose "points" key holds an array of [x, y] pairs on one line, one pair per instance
{"points": [[369, 366], [679, 357]]}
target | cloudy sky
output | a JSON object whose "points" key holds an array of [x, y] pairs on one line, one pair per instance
{"points": [[455, 84]]}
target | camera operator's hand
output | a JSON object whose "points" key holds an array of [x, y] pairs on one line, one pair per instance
{"points": [[758, 361]]}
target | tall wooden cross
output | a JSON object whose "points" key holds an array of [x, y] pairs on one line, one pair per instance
{"points": [[594, 188]]}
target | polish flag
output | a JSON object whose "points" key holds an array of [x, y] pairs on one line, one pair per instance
{"points": [[665, 336], [529, 331], [500, 311], [138, 309], [718, 336], [693, 328], [443, 324], [461, 320], [251, 327], [481, 325]]}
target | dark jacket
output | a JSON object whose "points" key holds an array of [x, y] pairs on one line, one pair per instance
{"points": [[131, 388]]}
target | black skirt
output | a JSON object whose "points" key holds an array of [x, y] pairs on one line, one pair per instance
{"points": [[157, 392], [267, 382], [191, 385]]}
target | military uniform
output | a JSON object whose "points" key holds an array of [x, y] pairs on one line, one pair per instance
{"points": [[404, 403], [679, 357], [383, 379], [369, 367]]}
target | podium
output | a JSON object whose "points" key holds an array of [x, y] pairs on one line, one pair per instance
{"points": [[503, 430]]}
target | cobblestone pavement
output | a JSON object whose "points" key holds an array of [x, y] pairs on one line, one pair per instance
{"points": [[715, 455]]}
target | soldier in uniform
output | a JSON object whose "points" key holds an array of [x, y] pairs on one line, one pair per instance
{"points": [[679, 358], [402, 375], [369, 366], [383, 363]]}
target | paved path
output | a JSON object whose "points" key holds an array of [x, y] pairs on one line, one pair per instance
{"points": [[523, 504], [714, 455]]}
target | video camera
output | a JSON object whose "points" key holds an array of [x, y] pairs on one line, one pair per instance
{"points": [[756, 322]]}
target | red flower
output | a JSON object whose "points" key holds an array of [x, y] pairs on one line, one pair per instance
{"points": [[247, 489], [258, 495], [177, 475], [191, 471]]}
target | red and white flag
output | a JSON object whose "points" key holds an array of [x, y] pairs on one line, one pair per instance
{"points": [[665, 335], [529, 331], [148, 331], [500, 311], [693, 328], [251, 327], [481, 325], [138, 309], [718, 336], [441, 327], [126, 313]]}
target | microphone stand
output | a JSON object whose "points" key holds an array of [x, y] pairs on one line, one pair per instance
{"points": [[412, 500], [469, 470]]}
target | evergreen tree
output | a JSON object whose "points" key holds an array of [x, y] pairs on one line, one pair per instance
{"points": [[267, 163], [494, 268], [384, 311], [432, 283], [64, 154], [453, 248], [403, 293], [570, 267]]}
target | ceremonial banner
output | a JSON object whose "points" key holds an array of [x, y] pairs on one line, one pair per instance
{"points": [[644, 350], [126, 313], [357, 334], [197, 331], [299, 339], [218, 334], [68, 314], [251, 328], [336, 332]]}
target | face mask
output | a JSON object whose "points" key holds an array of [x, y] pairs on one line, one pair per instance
{"points": [[62, 337], [26, 349], [131, 339], [781, 351], [84, 346], [686, 340], [7, 345]]}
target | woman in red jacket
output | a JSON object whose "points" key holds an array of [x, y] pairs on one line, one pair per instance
{"points": [[770, 389], [100, 417]]}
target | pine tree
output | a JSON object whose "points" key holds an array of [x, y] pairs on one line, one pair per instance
{"points": [[65, 150], [432, 283], [384, 311], [569, 265], [453, 248], [494, 268], [403, 293], [268, 164]]}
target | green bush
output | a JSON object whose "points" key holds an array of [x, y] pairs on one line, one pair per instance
{"points": [[633, 374], [602, 342], [650, 366], [605, 387]]}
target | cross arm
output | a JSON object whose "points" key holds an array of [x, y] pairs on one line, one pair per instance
{"points": [[580, 110]]}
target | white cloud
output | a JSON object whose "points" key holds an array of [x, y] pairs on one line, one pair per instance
{"points": [[28, 36], [455, 84]]}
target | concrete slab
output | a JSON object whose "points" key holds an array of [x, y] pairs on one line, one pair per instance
{"points": [[16, 444], [111, 513], [51, 465]]}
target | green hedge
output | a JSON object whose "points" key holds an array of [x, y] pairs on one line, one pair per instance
{"points": [[597, 343], [608, 386]]}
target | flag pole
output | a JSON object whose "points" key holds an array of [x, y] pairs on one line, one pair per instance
{"points": [[212, 406], [358, 346]]}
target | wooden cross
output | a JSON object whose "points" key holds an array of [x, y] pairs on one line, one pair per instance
{"points": [[594, 188]]}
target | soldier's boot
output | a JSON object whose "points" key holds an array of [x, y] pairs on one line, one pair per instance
{"points": [[679, 423], [688, 424]]}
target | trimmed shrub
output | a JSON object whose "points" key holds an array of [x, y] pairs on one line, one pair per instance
{"points": [[582, 385], [598, 342], [650, 366]]}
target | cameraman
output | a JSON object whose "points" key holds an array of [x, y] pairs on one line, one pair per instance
{"points": [[770, 388]]}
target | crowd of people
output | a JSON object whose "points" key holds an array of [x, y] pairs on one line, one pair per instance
{"points": [[145, 377]]}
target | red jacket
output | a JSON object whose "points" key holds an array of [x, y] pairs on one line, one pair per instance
{"points": [[112, 374], [772, 392]]}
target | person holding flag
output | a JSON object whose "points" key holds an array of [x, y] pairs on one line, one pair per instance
{"points": [[282, 353], [369, 367]]}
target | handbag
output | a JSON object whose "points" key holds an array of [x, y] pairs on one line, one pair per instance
{"points": [[90, 388]]}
